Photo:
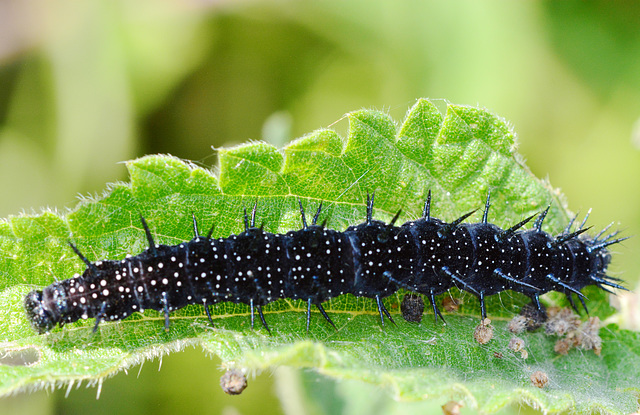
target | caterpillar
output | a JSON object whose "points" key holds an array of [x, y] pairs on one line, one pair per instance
{"points": [[373, 259]]}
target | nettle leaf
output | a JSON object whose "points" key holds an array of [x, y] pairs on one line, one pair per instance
{"points": [[460, 156]]}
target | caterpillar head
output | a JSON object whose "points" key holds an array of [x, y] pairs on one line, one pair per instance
{"points": [[40, 316]]}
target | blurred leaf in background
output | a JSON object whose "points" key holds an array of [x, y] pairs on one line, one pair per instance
{"points": [[86, 85], [73, 97]]}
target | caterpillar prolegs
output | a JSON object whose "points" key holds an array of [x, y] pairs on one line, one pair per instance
{"points": [[373, 259]]}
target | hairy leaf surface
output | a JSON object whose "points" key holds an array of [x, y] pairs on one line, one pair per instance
{"points": [[460, 156]]}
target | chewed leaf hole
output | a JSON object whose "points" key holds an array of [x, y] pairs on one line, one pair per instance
{"points": [[19, 357]]}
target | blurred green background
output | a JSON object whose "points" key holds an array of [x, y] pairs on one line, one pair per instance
{"points": [[87, 85]]}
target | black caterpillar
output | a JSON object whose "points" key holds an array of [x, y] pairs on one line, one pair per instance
{"points": [[373, 259]]}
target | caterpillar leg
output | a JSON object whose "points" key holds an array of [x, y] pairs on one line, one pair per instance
{"points": [[165, 308], [100, 316], [383, 311], [322, 311], [260, 313], [483, 307], [324, 314], [206, 309], [436, 312]]}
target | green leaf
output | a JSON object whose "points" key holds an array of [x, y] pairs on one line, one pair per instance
{"points": [[459, 156]]}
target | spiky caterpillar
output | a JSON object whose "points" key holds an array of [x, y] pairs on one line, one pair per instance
{"points": [[373, 259]]}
